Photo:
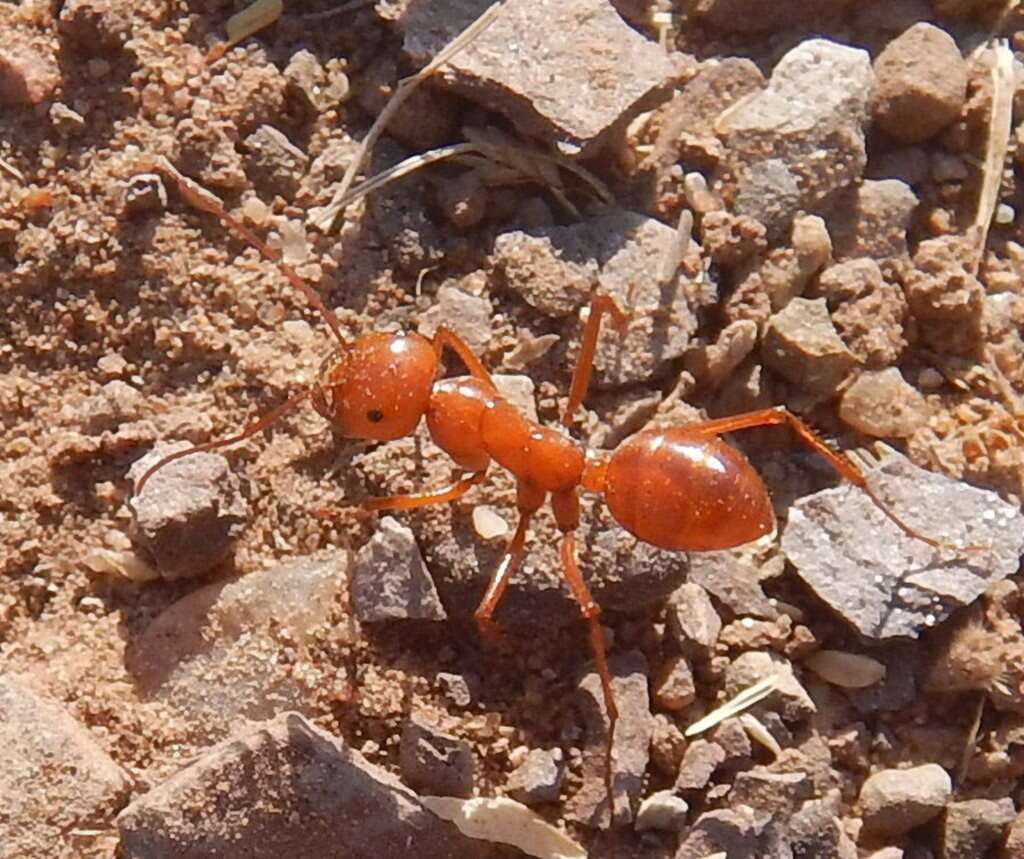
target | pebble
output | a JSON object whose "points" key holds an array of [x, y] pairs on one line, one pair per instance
{"points": [[789, 698], [693, 621], [632, 741], [534, 75], [663, 811], [882, 404], [538, 778], [27, 75], [54, 776], [674, 688], [316, 88], [776, 793], [190, 512], [623, 253], [95, 26], [273, 163], [802, 345], [287, 788], [920, 84], [460, 690], [433, 762], [792, 145], [729, 576], [699, 763], [871, 221], [218, 654], [892, 802], [971, 827], [815, 830], [734, 832], [668, 745], [884, 582], [733, 739], [469, 316], [390, 580], [711, 364]]}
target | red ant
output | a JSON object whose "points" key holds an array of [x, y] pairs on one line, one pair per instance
{"points": [[679, 488]]}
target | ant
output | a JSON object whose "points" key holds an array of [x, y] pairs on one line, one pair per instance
{"points": [[679, 488]]}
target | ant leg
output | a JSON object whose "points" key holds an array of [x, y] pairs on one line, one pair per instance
{"points": [[451, 492], [251, 430], [599, 305], [446, 338], [845, 468]]}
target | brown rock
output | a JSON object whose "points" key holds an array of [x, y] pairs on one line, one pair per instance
{"points": [[920, 84], [971, 827], [27, 74], [883, 405], [699, 763], [871, 220], [945, 297], [895, 801], [800, 343], [95, 25], [674, 689], [692, 620]]}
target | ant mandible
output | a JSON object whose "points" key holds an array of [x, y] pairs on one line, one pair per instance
{"points": [[679, 488]]}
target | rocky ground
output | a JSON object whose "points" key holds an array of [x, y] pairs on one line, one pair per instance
{"points": [[809, 203]]}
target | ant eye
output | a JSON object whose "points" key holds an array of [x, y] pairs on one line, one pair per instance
{"points": [[375, 416]]}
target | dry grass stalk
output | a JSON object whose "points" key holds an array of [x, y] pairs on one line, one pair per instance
{"points": [[241, 25], [10, 168], [734, 706], [323, 217]]}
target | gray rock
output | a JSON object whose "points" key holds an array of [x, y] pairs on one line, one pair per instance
{"points": [[389, 579], [461, 690], [274, 163], [815, 830], [433, 762], [893, 802], [227, 650], [538, 778], [469, 316], [623, 253], [801, 344], [971, 827], [286, 788], [189, 513], [789, 698], [734, 832], [882, 404], [733, 739], [729, 576], [632, 741], [775, 793], [884, 582], [54, 776], [692, 620], [801, 139], [534, 75], [700, 761], [664, 811]]}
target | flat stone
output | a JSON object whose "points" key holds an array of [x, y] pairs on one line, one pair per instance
{"points": [[389, 579], [621, 254], [775, 793], [662, 811], [893, 802], [534, 75], [433, 762], [189, 513], [699, 763], [632, 741], [219, 653], [881, 404], [884, 582], [802, 345], [286, 788], [692, 620], [54, 776], [971, 827], [729, 576], [791, 146], [921, 84], [538, 778]]}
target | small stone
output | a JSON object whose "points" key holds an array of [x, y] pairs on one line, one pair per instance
{"points": [[856, 560], [27, 75], [801, 344], [731, 240], [920, 84], [316, 88], [433, 762], [893, 802], [692, 620], [144, 192], [971, 827], [275, 164], [711, 364], [469, 316], [729, 576], [815, 830], [189, 513], [632, 741], [461, 690], [871, 220], [218, 655], [662, 811], [390, 580], [116, 403], [734, 832], [701, 760], [945, 297], [668, 745], [674, 688], [789, 698], [775, 793], [65, 120], [95, 25], [883, 405], [539, 778], [791, 146], [286, 788], [54, 776], [733, 739], [534, 75]]}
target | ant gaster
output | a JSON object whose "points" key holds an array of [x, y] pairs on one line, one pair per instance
{"points": [[678, 488]]}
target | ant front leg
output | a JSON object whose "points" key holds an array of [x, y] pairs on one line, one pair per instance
{"points": [[445, 338], [599, 305]]}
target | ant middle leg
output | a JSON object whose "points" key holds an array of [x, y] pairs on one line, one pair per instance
{"points": [[599, 305], [445, 494]]}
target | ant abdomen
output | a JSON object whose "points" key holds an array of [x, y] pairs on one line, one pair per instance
{"points": [[683, 490]]}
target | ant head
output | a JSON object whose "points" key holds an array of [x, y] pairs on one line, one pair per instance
{"points": [[380, 387]]}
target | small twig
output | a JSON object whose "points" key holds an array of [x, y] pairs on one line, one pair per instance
{"points": [[323, 218], [10, 168]]}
